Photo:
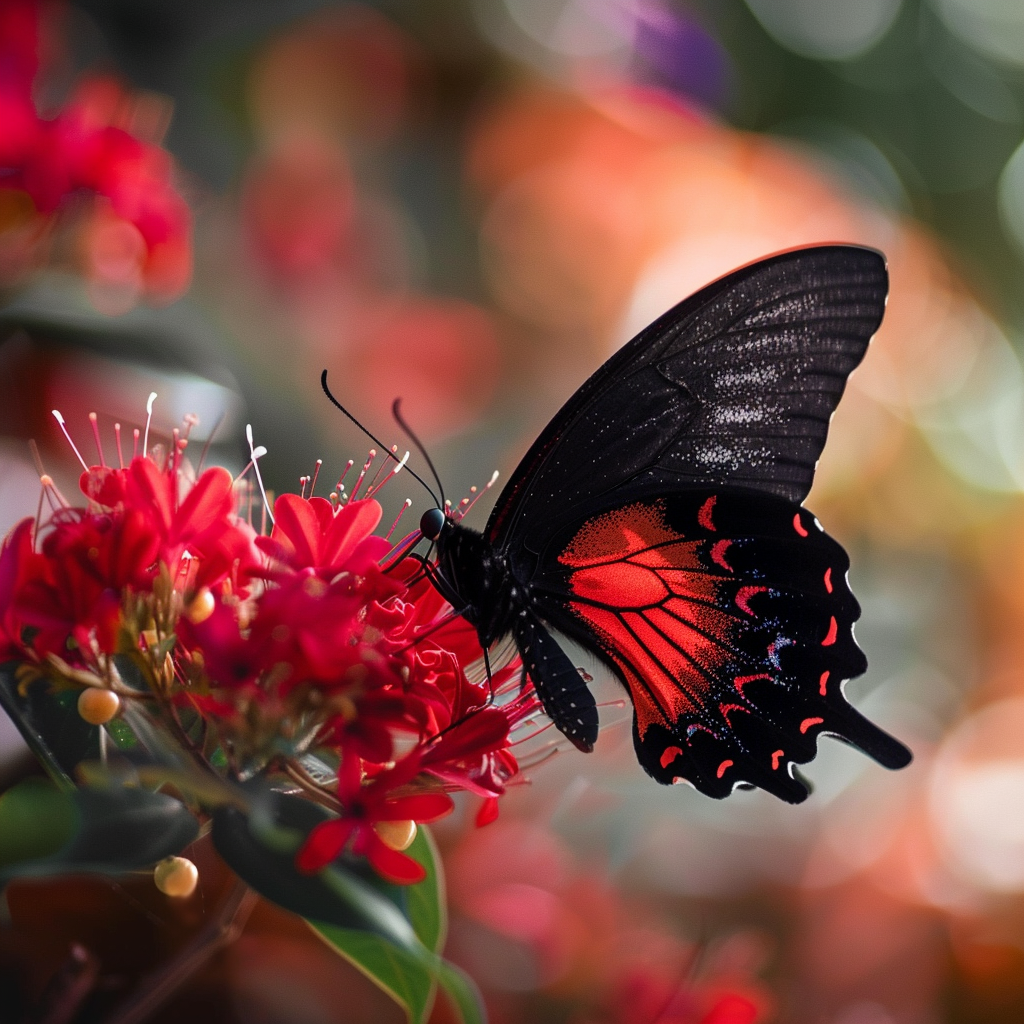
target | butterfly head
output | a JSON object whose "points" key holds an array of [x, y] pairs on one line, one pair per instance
{"points": [[432, 523]]}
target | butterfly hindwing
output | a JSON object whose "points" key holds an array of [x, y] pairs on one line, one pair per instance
{"points": [[728, 616]]}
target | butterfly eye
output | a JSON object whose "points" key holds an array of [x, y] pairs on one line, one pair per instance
{"points": [[432, 523]]}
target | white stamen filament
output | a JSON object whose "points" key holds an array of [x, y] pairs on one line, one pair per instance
{"points": [[60, 419], [255, 454], [149, 419]]}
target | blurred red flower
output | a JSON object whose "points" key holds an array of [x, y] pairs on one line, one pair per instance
{"points": [[136, 232]]}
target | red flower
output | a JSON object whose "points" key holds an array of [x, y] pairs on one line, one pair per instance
{"points": [[293, 643], [202, 524], [73, 589], [364, 806], [310, 534]]}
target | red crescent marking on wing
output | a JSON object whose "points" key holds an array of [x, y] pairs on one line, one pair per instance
{"points": [[718, 551], [721, 768], [775, 759], [823, 683], [808, 722], [668, 755], [726, 708], [833, 630], [744, 594], [740, 681], [798, 526], [704, 515], [828, 579]]}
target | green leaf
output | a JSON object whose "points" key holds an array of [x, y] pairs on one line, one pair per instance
{"points": [[410, 977], [462, 991], [48, 831], [260, 848], [403, 975], [49, 721], [426, 901], [36, 820]]}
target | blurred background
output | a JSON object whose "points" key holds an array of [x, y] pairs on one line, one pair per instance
{"points": [[470, 204]]}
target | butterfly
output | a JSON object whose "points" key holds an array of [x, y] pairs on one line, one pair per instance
{"points": [[657, 522]]}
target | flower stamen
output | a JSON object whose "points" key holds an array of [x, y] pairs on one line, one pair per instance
{"points": [[60, 420], [96, 434], [149, 420], [401, 512], [366, 467], [255, 455], [399, 466]]}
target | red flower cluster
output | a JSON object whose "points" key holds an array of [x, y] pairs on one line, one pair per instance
{"points": [[320, 640], [137, 233]]}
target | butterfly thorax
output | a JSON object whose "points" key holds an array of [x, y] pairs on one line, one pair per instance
{"points": [[477, 579]]}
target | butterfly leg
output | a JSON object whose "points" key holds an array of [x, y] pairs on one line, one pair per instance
{"points": [[561, 689]]}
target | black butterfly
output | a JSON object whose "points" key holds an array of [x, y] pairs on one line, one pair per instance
{"points": [[657, 522]]}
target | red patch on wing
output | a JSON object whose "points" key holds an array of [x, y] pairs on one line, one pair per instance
{"points": [[722, 767], [740, 681], [823, 683], [644, 589], [828, 579], [668, 755], [808, 722], [718, 554], [704, 515], [744, 594], [775, 759], [798, 526], [833, 631]]}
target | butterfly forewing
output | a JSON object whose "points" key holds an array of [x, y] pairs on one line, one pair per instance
{"points": [[729, 618], [733, 387]]}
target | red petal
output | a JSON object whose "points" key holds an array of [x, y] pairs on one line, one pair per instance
{"points": [[424, 808], [355, 522], [104, 485], [209, 501], [150, 490], [296, 526], [390, 864], [478, 734], [488, 812], [324, 843]]}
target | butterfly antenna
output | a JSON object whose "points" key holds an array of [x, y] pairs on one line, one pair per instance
{"points": [[383, 447], [396, 411]]}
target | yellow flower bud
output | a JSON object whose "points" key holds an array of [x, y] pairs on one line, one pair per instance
{"points": [[396, 834], [97, 706], [201, 606], [176, 876]]}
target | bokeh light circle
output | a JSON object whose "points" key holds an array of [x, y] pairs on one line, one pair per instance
{"points": [[1011, 197], [826, 29], [977, 798], [993, 27]]}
